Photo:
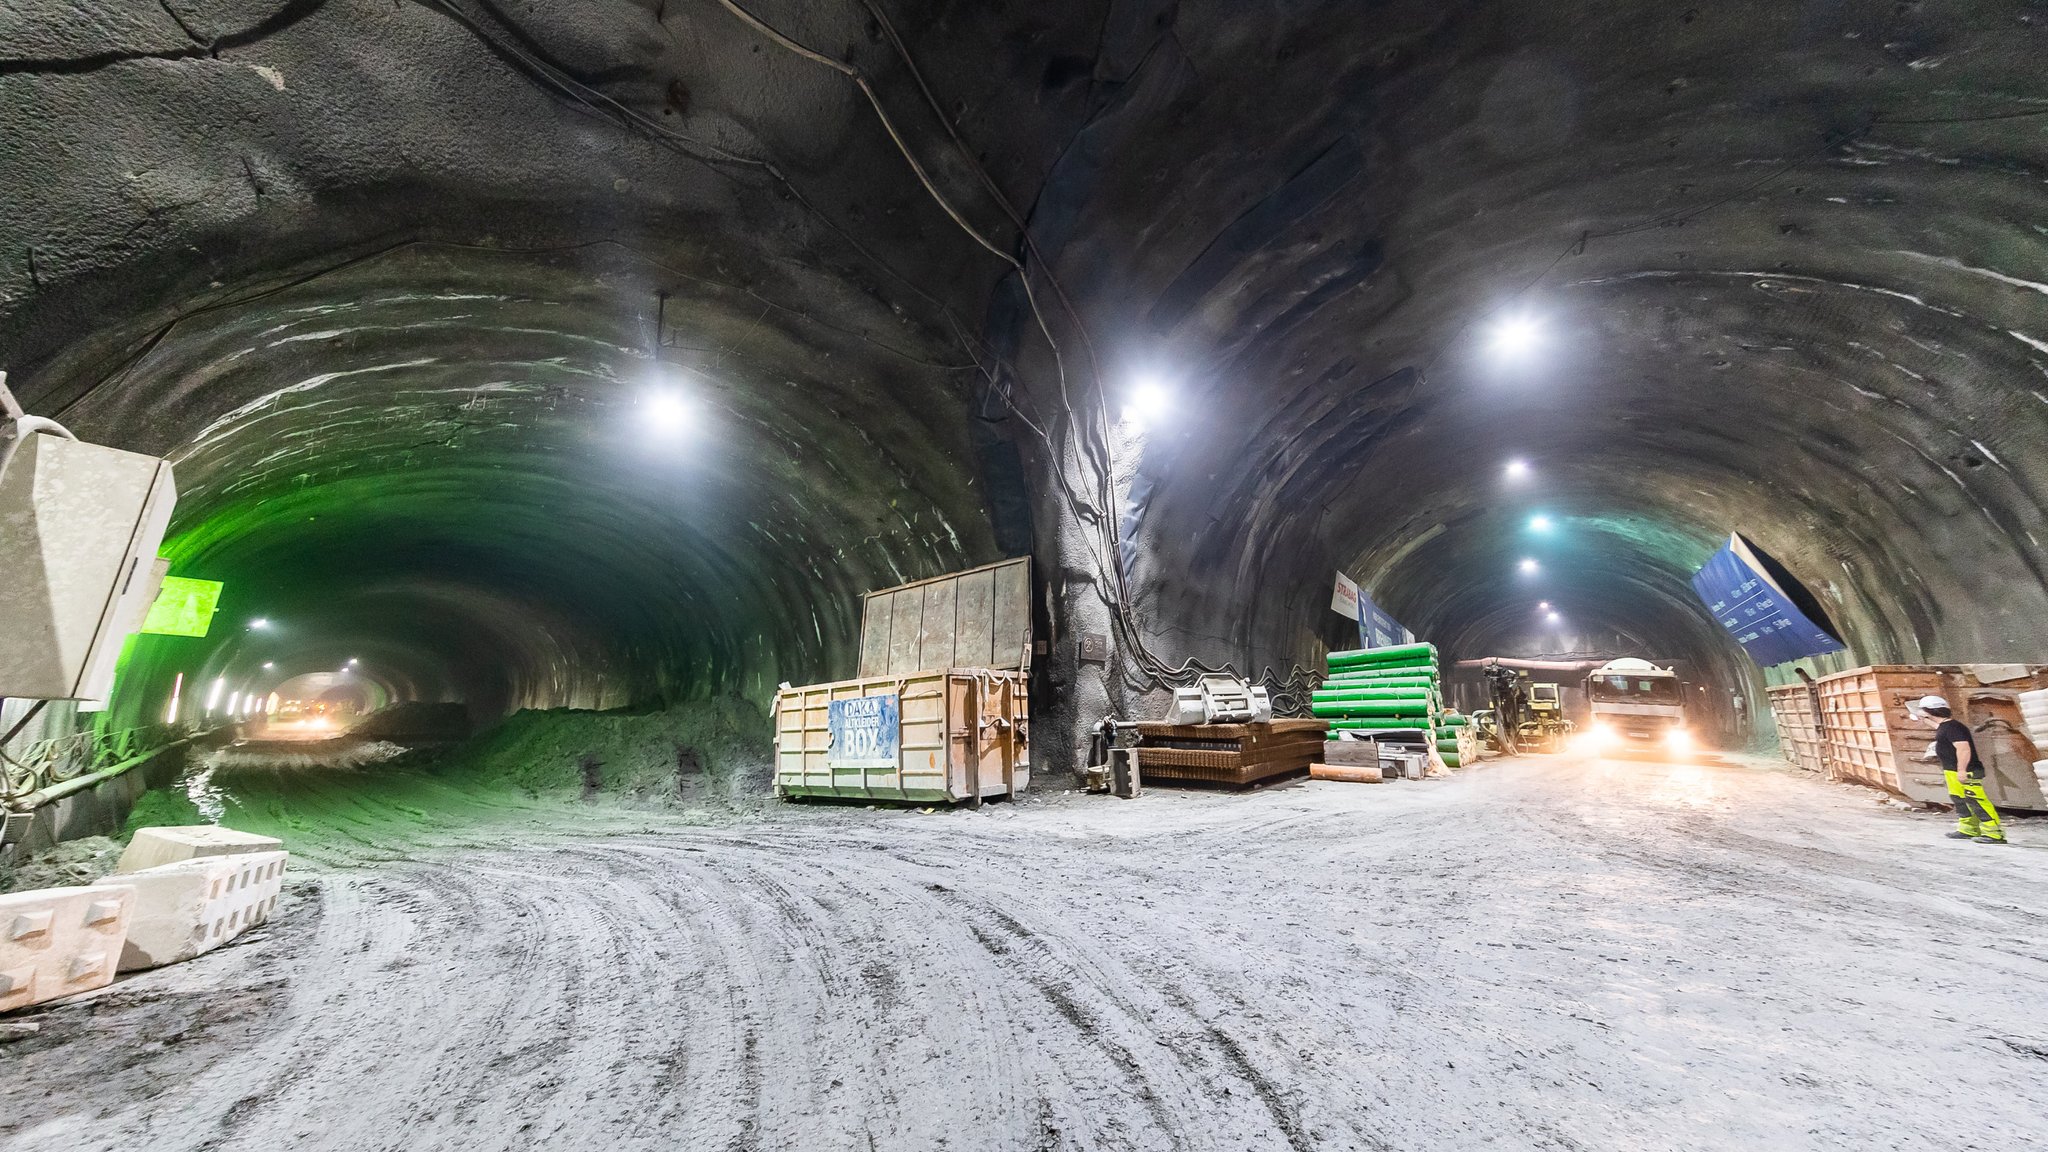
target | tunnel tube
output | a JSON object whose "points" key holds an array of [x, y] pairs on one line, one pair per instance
{"points": [[1782, 263]]}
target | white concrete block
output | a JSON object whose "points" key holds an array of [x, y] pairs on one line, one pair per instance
{"points": [[60, 941], [194, 906], [153, 847]]}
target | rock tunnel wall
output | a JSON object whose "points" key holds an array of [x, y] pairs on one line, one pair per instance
{"points": [[408, 290]]}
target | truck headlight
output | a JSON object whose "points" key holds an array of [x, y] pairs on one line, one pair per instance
{"points": [[1678, 740]]}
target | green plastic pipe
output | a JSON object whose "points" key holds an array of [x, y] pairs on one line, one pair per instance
{"points": [[1349, 693], [1381, 681], [1384, 657]]}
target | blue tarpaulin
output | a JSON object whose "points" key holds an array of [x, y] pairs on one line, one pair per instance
{"points": [[1756, 610]]}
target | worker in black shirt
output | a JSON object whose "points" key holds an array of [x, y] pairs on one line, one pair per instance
{"points": [[1961, 767]]}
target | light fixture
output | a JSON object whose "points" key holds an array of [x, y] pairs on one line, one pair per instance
{"points": [[1539, 523], [1515, 337], [1147, 402], [1529, 566], [667, 412], [1518, 469], [352, 661], [260, 623], [1543, 606], [1554, 618], [220, 685], [268, 665]]}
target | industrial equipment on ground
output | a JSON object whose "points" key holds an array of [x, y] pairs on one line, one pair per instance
{"points": [[1544, 727], [1219, 730], [79, 529], [940, 712], [1637, 707]]}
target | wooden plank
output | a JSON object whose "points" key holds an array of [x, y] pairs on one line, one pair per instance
{"points": [[904, 631], [877, 614], [975, 616], [935, 644]]}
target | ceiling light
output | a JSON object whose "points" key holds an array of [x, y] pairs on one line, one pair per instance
{"points": [[1554, 618], [1543, 606], [1147, 403], [1528, 566], [1518, 469], [667, 412], [260, 623], [1539, 523], [1515, 337], [268, 665]]}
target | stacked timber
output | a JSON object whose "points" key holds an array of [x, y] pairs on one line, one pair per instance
{"points": [[1228, 753], [1397, 687]]}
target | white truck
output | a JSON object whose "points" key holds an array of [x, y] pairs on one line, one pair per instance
{"points": [[1637, 707]]}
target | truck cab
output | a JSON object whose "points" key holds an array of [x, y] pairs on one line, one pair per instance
{"points": [[1637, 707]]}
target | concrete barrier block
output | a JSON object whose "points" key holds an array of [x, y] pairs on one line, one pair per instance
{"points": [[154, 847], [190, 907], [61, 941]]}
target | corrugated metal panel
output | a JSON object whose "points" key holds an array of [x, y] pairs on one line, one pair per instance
{"points": [[972, 642], [1792, 707], [877, 615], [1012, 632], [936, 638], [906, 631], [980, 618]]}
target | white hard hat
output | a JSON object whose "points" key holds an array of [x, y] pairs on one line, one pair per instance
{"points": [[1929, 703]]}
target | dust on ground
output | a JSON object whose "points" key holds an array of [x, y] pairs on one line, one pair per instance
{"points": [[1547, 953]]}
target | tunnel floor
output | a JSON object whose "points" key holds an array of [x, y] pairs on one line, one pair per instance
{"points": [[1548, 953]]}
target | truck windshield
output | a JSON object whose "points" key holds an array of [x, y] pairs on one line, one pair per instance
{"points": [[1636, 689]]}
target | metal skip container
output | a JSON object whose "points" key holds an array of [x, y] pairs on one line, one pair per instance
{"points": [[957, 734], [1866, 736], [940, 712]]}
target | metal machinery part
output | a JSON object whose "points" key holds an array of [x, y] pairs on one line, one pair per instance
{"points": [[1220, 700], [1544, 727], [1510, 696], [1113, 759], [79, 530]]}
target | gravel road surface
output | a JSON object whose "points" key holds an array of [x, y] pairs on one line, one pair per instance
{"points": [[1548, 953]]}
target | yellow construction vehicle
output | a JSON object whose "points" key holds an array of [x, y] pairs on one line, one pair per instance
{"points": [[1543, 727]]}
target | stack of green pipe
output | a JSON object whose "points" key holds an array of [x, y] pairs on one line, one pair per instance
{"points": [[1387, 688]]}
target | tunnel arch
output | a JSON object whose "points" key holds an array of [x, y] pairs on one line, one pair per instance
{"points": [[1784, 256]]}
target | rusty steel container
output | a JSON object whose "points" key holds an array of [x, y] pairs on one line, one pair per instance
{"points": [[938, 737], [1867, 736], [1792, 705]]}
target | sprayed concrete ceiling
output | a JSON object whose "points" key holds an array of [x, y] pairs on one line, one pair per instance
{"points": [[413, 290]]}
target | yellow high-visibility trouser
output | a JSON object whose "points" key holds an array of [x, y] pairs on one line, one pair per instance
{"points": [[1975, 815]]}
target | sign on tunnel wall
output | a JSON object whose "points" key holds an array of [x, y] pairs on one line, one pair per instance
{"points": [[1759, 610], [1376, 629], [184, 607]]}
